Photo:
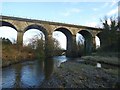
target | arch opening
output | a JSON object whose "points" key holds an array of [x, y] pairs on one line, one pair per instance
{"points": [[61, 38], [32, 36], [80, 44], [67, 39], [87, 46], [97, 40], [36, 33], [12, 35]]}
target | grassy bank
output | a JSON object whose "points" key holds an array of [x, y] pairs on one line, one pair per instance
{"points": [[107, 58]]}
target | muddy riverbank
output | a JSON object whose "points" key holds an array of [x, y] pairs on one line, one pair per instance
{"points": [[74, 74]]}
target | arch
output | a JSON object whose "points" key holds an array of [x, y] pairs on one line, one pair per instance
{"points": [[88, 43], [35, 26], [69, 40], [4, 23], [99, 35], [97, 42], [85, 33], [61, 38], [66, 31], [31, 35]]}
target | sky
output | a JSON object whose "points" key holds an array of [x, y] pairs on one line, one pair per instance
{"points": [[79, 13]]}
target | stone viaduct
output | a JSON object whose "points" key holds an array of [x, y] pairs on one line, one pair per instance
{"points": [[21, 25]]}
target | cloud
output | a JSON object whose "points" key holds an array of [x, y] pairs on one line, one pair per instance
{"points": [[71, 11], [113, 11]]}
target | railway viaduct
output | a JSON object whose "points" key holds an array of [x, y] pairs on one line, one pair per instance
{"points": [[21, 25]]}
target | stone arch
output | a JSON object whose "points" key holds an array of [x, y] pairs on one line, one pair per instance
{"points": [[64, 27], [68, 35], [66, 31], [88, 43], [39, 27], [36, 26], [5, 23]]}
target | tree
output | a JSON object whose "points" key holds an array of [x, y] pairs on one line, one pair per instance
{"points": [[52, 47], [44, 48], [80, 47], [110, 33], [6, 41]]}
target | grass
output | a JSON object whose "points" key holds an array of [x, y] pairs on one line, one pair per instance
{"points": [[112, 71], [108, 58]]}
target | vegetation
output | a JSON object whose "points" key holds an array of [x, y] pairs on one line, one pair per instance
{"points": [[53, 48], [45, 49], [6, 41], [80, 48], [107, 60], [13, 53], [110, 35], [80, 75], [109, 38]]}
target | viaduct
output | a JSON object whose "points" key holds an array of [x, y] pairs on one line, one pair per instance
{"points": [[21, 25]]}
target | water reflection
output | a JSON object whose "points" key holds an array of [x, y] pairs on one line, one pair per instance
{"points": [[17, 82], [8, 77], [30, 73], [48, 69]]}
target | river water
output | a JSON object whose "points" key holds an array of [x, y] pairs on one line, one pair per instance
{"points": [[30, 73]]}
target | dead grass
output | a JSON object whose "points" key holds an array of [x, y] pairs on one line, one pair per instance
{"points": [[13, 54]]}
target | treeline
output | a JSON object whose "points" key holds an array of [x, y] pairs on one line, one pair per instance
{"points": [[35, 49]]}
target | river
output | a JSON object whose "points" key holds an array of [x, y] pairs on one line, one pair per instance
{"points": [[30, 73]]}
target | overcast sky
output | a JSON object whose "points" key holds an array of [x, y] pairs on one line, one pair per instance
{"points": [[81, 13]]}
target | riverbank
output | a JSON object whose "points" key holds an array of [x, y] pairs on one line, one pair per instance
{"points": [[102, 59], [74, 74], [14, 54]]}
